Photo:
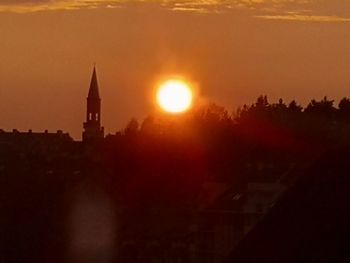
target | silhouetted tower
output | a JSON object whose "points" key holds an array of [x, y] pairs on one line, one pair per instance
{"points": [[92, 127]]}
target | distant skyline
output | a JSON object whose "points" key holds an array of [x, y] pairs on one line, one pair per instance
{"points": [[234, 50]]}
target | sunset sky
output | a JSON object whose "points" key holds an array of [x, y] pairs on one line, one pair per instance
{"points": [[234, 50]]}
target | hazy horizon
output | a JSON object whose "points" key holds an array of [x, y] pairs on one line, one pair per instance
{"points": [[234, 50]]}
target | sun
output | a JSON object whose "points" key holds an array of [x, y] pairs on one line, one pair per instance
{"points": [[174, 96]]}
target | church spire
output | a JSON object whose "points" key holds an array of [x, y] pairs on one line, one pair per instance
{"points": [[93, 91], [92, 126]]}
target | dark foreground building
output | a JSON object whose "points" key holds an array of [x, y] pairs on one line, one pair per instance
{"points": [[311, 223]]}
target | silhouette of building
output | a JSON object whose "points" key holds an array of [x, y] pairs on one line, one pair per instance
{"points": [[30, 142], [260, 198], [309, 223], [52, 141], [219, 227], [92, 126]]}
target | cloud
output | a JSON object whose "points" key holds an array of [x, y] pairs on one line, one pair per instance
{"points": [[306, 18], [16, 2], [292, 10], [24, 6], [177, 5]]}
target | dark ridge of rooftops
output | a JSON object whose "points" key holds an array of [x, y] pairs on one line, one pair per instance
{"points": [[30, 133]]}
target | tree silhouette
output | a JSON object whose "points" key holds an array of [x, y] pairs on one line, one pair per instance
{"points": [[344, 109], [294, 107], [132, 127], [323, 108]]}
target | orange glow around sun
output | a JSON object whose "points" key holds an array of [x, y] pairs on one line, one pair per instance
{"points": [[174, 96]]}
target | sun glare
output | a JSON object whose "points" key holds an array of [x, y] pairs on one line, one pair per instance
{"points": [[174, 96]]}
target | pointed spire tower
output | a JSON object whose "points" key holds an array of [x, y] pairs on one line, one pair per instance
{"points": [[92, 126]]}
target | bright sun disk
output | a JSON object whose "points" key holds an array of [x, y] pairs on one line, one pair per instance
{"points": [[174, 96]]}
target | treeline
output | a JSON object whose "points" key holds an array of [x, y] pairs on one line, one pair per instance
{"points": [[260, 141], [320, 121]]}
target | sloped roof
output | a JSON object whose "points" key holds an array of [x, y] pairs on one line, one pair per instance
{"points": [[310, 223]]}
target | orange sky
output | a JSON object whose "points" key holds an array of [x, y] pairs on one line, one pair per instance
{"points": [[235, 50]]}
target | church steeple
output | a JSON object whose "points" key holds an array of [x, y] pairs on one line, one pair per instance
{"points": [[92, 126], [93, 91]]}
